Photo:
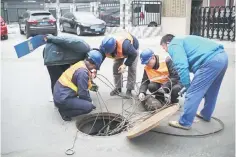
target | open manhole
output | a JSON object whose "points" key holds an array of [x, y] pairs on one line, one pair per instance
{"points": [[102, 124]]}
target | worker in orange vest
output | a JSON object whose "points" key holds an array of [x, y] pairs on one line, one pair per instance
{"points": [[71, 91], [120, 47], [159, 73]]}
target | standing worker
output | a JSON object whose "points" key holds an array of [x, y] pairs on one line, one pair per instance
{"points": [[159, 72], [119, 47], [208, 61], [70, 93], [62, 51]]}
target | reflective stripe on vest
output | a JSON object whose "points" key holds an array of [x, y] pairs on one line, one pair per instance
{"points": [[66, 77], [159, 75], [120, 38]]}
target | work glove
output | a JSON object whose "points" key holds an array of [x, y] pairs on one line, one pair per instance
{"points": [[94, 87], [141, 96], [182, 91], [122, 68]]}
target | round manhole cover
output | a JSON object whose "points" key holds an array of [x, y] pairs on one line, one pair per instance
{"points": [[102, 124]]}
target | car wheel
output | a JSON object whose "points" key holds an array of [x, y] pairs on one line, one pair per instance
{"points": [[55, 34], [62, 28], [102, 33], [78, 31], [152, 24], [21, 32]]}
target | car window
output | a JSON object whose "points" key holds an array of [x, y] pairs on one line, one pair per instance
{"points": [[84, 16], [70, 16], [41, 15], [137, 9], [25, 15], [152, 8], [65, 15]]}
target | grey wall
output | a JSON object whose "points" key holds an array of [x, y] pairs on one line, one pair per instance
{"points": [[11, 10]]}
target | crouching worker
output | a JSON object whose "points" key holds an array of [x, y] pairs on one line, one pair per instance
{"points": [[159, 74], [71, 91]]}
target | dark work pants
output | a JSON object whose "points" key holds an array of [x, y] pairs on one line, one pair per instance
{"points": [[153, 87], [74, 106], [118, 77], [55, 72]]}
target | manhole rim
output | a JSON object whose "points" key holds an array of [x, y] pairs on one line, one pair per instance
{"points": [[94, 115]]}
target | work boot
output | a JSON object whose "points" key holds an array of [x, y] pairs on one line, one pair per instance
{"points": [[161, 99], [129, 93], [176, 124], [199, 115], [116, 91], [66, 118]]}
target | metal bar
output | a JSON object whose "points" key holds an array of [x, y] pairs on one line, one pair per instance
{"points": [[233, 24], [218, 24], [160, 8], [213, 22], [193, 26], [132, 13], [224, 17], [228, 25], [199, 21], [208, 21], [124, 16], [8, 21], [203, 23]]}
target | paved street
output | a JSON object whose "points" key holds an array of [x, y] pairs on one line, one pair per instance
{"points": [[32, 127]]}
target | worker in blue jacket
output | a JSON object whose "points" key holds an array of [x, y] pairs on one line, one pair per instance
{"points": [[61, 52], [71, 91], [208, 62]]}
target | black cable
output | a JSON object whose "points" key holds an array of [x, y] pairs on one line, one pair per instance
{"points": [[200, 135]]}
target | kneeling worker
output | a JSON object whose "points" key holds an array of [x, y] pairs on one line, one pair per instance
{"points": [[71, 94], [159, 74]]}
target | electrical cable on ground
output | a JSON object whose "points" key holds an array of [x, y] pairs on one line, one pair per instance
{"points": [[200, 135]]}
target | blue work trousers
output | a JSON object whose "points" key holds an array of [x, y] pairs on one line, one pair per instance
{"points": [[74, 106], [205, 84]]}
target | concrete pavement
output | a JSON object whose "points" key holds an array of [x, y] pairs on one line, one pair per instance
{"points": [[31, 126]]}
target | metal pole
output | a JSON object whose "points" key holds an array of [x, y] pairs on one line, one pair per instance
{"points": [[73, 6], [58, 9]]}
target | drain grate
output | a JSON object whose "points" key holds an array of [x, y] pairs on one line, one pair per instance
{"points": [[102, 124]]}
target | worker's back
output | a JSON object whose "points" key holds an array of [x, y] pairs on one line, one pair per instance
{"points": [[197, 49], [64, 50]]}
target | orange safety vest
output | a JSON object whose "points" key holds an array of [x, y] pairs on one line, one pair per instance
{"points": [[159, 75], [66, 77], [120, 38]]}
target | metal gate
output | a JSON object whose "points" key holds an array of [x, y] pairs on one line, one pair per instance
{"points": [[109, 11], [53, 11], [146, 13], [12, 14], [64, 10], [213, 22]]}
